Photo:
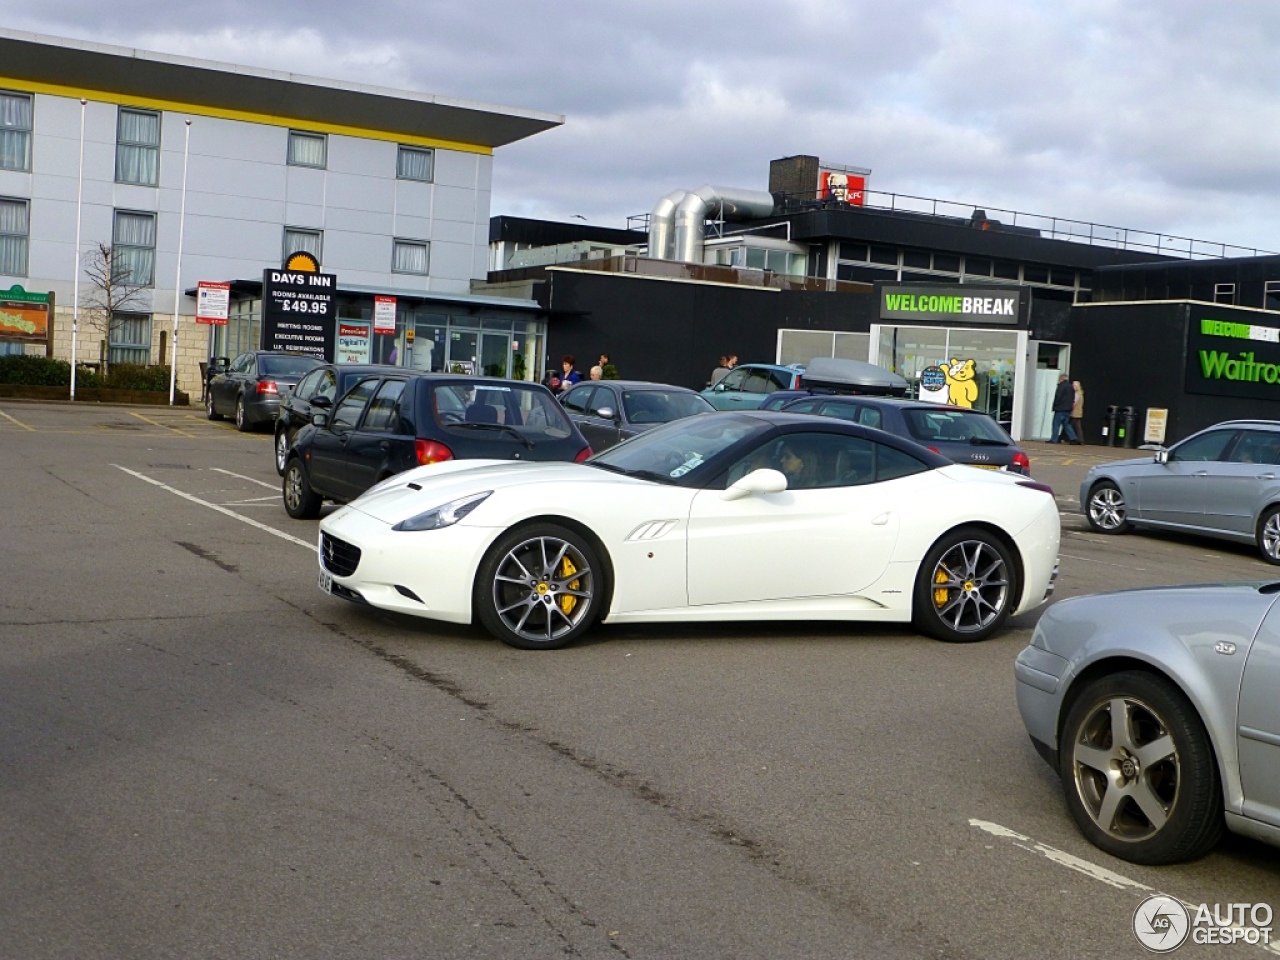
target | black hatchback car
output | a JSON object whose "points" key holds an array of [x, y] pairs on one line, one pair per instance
{"points": [[964, 436], [390, 422], [318, 390], [249, 387]]}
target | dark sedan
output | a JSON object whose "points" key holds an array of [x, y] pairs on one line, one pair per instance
{"points": [[249, 387], [389, 422], [610, 411], [318, 390], [964, 436]]}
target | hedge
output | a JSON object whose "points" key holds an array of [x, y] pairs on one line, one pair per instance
{"points": [[46, 372]]}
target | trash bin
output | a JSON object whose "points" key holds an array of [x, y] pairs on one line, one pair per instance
{"points": [[1109, 425], [1127, 428]]}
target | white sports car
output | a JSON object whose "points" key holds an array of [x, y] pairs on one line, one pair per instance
{"points": [[733, 516]]}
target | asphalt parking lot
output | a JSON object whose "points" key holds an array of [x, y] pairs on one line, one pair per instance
{"points": [[202, 755]]}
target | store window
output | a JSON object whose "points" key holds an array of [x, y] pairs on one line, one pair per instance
{"points": [[15, 229], [130, 338], [133, 247], [415, 163], [1224, 293], [307, 149], [300, 240], [908, 351], [15, 131], [138, 147]]}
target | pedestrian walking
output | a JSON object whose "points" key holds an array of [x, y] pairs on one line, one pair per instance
{"points": [[1064, 398], [1077, 411]]}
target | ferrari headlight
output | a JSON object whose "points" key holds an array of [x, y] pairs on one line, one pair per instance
{"points": [[445, 515]]}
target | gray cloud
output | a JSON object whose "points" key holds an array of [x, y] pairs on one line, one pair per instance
{"points": [[1156, 115]]}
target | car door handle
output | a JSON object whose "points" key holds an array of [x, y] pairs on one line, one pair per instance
{"points": [[1201, 473], [1266, 476], [881, 520], [385, 444]]}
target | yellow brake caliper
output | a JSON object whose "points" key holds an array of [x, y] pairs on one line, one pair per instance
{"points": [[940, 594], [567, 603]]}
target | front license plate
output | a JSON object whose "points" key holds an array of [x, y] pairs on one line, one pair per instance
{"points": [[326, 581]]}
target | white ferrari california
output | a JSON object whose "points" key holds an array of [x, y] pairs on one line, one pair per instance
{"points": [[724, 516]]}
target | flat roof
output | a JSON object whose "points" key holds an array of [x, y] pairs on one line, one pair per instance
{"points": [[81, 68]]}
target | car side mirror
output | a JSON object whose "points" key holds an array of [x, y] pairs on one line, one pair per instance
{"points": [[763, 480], [606, 413], [1161, 456], [718, 388], [219, 364], [319, 418], [321, 401]]}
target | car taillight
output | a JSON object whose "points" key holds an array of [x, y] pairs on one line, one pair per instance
{"points": [[1022, 462], [1033, 485], [582, 455], [428, 452], [267, 386], [934, 450]]}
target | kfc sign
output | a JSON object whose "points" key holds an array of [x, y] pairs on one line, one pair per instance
{"points": [[845, 187]]}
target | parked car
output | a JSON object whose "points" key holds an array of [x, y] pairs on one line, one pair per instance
{"points": [[392, 421], [825, 376], [1158, 709], [610, 411], [318, 390], [722, 516], [745, 386], [965, 436], [249, 387], [1221, 482]]}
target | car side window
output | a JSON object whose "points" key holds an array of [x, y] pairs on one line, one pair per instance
{"points": [[870, 417], [779, 380], [813, 461], [307, 385], [841, 411], [576, 399], [1206, 447], [804, 406], [759, 381], [384, 410], [1257, 446], [734, 379], [347, 413], [328, 385], [892, 463], [242, 363], [602, 399]]}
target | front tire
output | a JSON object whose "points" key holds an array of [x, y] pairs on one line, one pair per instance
{"points": [[300, 501], [282, 450], [540, 587], [1106, 510], [965, 589], [1138, 770], [1269, 535], [210, 410], [242, 416]]}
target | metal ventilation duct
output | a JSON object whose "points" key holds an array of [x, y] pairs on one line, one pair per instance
{"points": [[676, 226]]}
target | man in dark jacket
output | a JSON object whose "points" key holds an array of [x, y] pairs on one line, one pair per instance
{"points": [[1064, 398]]}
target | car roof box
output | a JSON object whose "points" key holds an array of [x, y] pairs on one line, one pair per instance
{"points": [[838, 375]]}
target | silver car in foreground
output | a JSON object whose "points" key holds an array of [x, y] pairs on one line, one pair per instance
{"points": [[1160, 710], [1221, 482]]}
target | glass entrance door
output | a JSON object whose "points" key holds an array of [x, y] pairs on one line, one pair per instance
{"points": [[495, 354]]}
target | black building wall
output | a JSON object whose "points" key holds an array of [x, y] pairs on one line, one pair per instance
{"points": [[1135, 354]]}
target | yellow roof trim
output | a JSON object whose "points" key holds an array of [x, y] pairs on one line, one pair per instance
{"points": [[221, 113]]}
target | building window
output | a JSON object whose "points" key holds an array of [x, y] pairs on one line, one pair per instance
{"points": [[1271, 295], [130, 338], [415, 163], [1004, 269], [133, 247], [410, 256], [138, 147], [297, 240], [15, 131], [307, 149], [1224, 293], [15, 227], [946, 263]]}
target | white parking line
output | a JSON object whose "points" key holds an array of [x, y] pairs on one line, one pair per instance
{"points": [[241, 476], [310, 545], [1091, 870], [1127, 566]]}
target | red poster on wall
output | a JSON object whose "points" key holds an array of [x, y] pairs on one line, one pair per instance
{"points": [[847, 187]]}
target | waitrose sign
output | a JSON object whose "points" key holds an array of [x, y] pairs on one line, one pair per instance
{"points": [[1232, 358], [951, 304]]}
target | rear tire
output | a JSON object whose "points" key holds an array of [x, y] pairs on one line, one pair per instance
{"points": [[209, 410], [242, 416], [300, 501]]}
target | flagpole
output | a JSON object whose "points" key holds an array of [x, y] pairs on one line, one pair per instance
{"points": [[75, 295], [177, 282]]}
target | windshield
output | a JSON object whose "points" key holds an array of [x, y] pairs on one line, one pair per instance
{"points": [[524, 411], [662, 406], [676, 449], [287, 366], [953, 426]]}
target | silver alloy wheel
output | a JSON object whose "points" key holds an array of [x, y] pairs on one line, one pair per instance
{"points": [[240, 414], [282, 451], [1126, 768], [543, 588], [294, 489], [1269, 537], [1107, 508], [969, 586]]}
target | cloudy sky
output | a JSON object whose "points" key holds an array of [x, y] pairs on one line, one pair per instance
{"points": [[1152, 115]]}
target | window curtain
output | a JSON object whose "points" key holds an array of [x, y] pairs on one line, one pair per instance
{"points": [[413, 164], [15, 132], [306, 150], [303, 241], [138, 148], [409, 258], [14, 227], [135, 247], [130, 340]]}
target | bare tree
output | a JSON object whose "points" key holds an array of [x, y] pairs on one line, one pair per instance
{"points": [[112, 291]]}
